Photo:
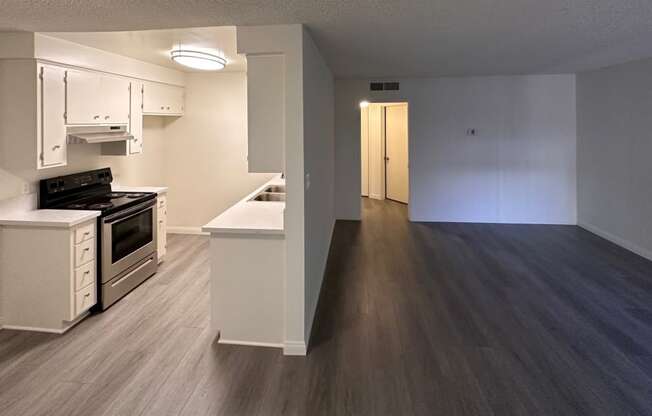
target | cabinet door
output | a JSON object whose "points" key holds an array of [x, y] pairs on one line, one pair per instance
{"points": [[83, 98], [51, 122], [265, 113], [161, 99], [115, 100], [161, 232], [175, 100], [136, 118], [154, 98]]}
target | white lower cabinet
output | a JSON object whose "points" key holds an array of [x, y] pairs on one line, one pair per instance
{"points": [[162, 214], [49, 276]]}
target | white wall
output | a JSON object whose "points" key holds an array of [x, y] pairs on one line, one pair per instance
{"points": [[614, 149], [519, 168], [205, 162], [319, 161], [288, 40]]}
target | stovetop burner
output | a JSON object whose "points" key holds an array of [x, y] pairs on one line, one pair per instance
{"points": [[115, 195], [135, 195], [76, 206], [100, 205]]}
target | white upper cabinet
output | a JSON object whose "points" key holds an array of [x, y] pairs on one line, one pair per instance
{"points": [[83, 104], [265, 113], [162, 99], [115, 96], [93, 98], [136, 118], [51, 106]]}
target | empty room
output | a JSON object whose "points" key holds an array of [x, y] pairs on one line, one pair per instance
{"points": [[325, 208]]}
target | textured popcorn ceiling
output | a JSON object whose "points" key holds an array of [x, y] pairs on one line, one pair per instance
{"points": [[368, 38]]}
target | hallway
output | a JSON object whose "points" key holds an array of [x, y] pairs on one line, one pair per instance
{"points": [[424, 319]]}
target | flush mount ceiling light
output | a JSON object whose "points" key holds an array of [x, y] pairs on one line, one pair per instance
{"points": [[198, 60]]}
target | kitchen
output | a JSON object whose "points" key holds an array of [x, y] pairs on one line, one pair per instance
{"points": [[109, 145]]}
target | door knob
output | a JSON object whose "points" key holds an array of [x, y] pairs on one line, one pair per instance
{"points": [[386, 159]]}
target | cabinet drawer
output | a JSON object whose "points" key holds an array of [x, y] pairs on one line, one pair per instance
{"points": [[85, 275], [84, 252], [161, 202], [85, 232], [84, 299]]}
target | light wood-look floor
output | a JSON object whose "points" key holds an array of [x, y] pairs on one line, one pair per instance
{"points": [[423, 319]]}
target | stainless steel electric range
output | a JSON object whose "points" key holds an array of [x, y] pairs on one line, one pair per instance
{"points": [[127, 229]]}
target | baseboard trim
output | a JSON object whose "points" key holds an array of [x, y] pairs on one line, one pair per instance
{"points": [[249, 343], [463, 221], [186, 230], [69, 325], [628, 245], [295, 348], [34, 329]]}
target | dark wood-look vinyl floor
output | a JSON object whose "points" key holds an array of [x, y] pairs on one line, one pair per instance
{"points": [[423, 319]]}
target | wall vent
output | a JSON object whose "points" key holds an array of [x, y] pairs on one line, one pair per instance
{"points": [[384, 86]]}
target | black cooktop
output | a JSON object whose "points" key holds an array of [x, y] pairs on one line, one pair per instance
{"points": [[88, 191], [107, 202]]}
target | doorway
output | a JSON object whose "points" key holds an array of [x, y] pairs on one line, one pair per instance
{"points": [[384, 151]]}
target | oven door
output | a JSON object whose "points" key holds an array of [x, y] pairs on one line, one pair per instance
{"points": [[127, 237]]}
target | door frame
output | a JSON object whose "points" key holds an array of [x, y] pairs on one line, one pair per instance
{"points": [[383, 149]]}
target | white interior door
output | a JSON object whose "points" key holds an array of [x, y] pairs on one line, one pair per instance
{"points": [[396, 153], [376, 151], [364, 151]]}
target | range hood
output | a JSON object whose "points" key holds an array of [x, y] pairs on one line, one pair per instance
{"points": [[98, 134]]}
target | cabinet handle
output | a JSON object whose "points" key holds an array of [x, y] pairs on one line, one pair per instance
{"points": [[56, 146], [162, 107], [107, 117], [87, 249], [135, 140], [168, 108], [87, 233], [96, 117], [87, 272]]}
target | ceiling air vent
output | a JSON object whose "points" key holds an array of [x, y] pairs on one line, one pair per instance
{"points": [[383, 86]]}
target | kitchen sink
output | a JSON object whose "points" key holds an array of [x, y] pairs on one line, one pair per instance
{"points": [[269, 197], [275, 189]]}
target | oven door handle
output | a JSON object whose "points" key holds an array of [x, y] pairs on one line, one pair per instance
{"points": [[129, 212]]}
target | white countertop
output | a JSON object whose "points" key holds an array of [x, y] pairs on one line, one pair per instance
{"points": [[57, 218], [251, 217], [122, 188]]}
